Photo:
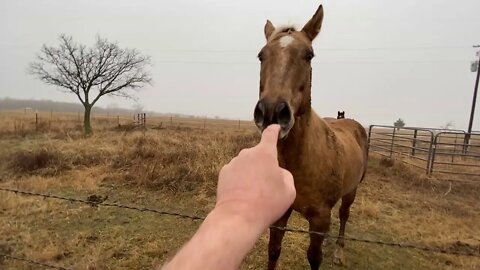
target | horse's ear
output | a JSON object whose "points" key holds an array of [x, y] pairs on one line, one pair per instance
{"points": [[312, 28], [269, 28]]}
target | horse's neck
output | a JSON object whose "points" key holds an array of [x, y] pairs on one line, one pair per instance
{"points": [[309, 131]]}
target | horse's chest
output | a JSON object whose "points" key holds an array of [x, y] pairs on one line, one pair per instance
{"points": [[314, 174]]}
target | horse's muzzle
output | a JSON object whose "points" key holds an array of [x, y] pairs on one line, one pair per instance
{"points": [[266, 114]]}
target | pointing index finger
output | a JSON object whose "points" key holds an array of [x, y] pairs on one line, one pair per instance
{"points": [[270, 137]]}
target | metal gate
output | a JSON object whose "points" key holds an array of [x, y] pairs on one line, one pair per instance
{"points": [[391, 142], [448, 155], [456, 156]]}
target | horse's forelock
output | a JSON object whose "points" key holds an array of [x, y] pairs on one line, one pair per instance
{"points": [[282, 29]]}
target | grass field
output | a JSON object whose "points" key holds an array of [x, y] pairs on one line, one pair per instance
{"points": [[175, 168], [22, 123]]}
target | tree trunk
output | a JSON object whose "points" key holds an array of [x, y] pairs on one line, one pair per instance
{"points": [[87, 128]]}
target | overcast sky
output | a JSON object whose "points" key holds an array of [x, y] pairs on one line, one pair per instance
{"points": [[376, 59]]}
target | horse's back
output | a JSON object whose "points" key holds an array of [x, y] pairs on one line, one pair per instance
{"points": [[348, 128], [353, 137]]}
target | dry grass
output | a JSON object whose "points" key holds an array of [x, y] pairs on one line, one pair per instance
{"points": [[175, 168], [20, 124]]}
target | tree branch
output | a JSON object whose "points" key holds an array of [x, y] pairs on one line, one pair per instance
{"points": [[106, 67]]}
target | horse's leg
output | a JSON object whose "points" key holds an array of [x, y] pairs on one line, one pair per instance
{"points": [[275, 243], [319, 221], [344, 213]]}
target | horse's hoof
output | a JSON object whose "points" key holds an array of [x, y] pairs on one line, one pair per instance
{"points": [[339, 256]]}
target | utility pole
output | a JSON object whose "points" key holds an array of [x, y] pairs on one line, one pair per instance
{"points": [[475, 67]]}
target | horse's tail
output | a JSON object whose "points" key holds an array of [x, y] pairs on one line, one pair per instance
{"points": [[365, 149]]}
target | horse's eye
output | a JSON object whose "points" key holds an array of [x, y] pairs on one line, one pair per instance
{"points": [[260, 56], [309, 56]]}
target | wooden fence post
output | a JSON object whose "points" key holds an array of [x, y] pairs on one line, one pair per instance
{"points": [[393, 143], [414, 143], [36, 121]]}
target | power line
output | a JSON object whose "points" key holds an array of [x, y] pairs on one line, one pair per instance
{"points": [[318, 49], [397, 48], [316, 62], [256, 50]]}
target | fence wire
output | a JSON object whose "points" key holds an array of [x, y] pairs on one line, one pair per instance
{"points": [[96, 201], [32, 262]]}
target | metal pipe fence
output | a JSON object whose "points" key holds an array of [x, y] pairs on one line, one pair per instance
{"points": [[452, 156], [413, 143], [441, 153]]}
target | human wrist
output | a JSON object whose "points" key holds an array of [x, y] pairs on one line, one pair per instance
{"points": [[228, 234], [225, 237], [244, 216]]}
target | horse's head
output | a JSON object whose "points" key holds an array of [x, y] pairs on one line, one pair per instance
{"points": [[286, 73]]}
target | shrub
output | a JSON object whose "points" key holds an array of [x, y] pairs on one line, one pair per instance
{"points": [[25, 161]]}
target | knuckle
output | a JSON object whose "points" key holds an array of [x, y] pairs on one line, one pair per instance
{"points": [[246, 152]]}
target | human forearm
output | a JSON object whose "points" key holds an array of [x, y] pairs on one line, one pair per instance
{"points": [[221, 242]]}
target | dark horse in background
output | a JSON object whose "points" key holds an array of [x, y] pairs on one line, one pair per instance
{"points": [[327, 157]]}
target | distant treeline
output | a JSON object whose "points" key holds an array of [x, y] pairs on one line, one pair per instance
{"points": [[9, 104]]}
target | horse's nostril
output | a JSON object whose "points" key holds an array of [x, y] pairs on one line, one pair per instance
{"points": [[259, 113], [283, 114]]}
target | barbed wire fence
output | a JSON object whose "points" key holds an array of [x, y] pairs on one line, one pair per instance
{"points": [[32, 262], [95, 201]]}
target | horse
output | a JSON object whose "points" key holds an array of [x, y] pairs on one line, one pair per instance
{"points": [[340, 115], [327, 158]]}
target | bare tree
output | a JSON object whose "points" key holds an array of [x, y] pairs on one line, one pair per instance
{"points": [[448, 125], [91, 73]]}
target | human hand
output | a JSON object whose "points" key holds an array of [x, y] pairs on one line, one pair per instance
{"points": [[253, 185], [252, 193]]}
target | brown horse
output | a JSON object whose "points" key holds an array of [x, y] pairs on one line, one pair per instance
{"points": [[328, 158]]}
